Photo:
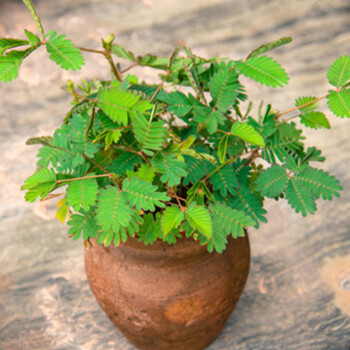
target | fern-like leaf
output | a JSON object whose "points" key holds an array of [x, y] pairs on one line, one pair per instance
{"points": [[247, 133], [8, 43], [319, 183], [40, 184], [272, 181], [149, 230], [223, 87], [119, 104], [34, 14], [171, 218], [339, 103], [218, 241], [269, 46], [264, 70], [83, 223], [315, 120], [300, 198], [63, 52], [143, 195], [149, 134], [299, 102], [231, 221], [82, 193], [171, 168], [113, 210], [199, 219], [125, 162], [196, 169], [178, 103], [339, 72], [224, 180]]}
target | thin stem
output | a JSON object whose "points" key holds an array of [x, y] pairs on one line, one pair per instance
{"points": [[83, 178], [160, 86], [113, 66], [101, 168], [128, 68], [288, 119], [91, 50], [301, 106], [92, 118], [252, 156]]}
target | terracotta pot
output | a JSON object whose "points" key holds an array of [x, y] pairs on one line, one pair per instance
{"points": [[168, 297]]}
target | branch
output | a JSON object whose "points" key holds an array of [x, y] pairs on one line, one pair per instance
{"points": [[159, 87], [83, 178]]}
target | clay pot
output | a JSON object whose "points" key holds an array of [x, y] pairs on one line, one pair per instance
{"points": [[170, 297]]}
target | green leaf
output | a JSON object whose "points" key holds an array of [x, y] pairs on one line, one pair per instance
{"points": [[339, 103], [143, 195], [218, 241], [315, 120], [149, 230], [230, 221], [339, 72], [125, 162], [248, 202], [35, 16], [85, 223], [199, 219], [247, 133], [40, 184], [33, 38], [222, 148], [113, 210], [269, 46], [264, 70], [144, 172], [172, 217], [306, 99], [112, 136], [223, 87], [272, 181], [178, 103], [319, 183], [210, 117], [149, 134], [121, 52], [224, 180], [82, 193], [8, 43], [171, 168], [9, 68], [300, 198], [63, 52], [196, 169], [119, 105]]}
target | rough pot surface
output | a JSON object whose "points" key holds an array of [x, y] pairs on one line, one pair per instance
{"points": [[168, 297]]}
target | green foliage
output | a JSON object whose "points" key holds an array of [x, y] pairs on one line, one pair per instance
{"points": [[40, 184], [149, 134], [120, 105], [157, 161], [63, 52], [83, 223], [224, 180], [199, 219], [149, 230], [339, 103], [143, 195], [264, 70], [113, 210], [272, 181], [269, 46], [339, 72], [82, 193], [171, 168], [300, 198], [247, 133], [171, 218]]}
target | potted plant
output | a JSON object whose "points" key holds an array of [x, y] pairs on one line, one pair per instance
{"points": [[161, 181]]}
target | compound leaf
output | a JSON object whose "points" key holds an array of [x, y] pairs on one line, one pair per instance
{"points": [[339, 72], [272, 181], [339, 103]]}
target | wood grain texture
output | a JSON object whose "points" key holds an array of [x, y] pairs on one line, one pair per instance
{"points": [[298, 292]]}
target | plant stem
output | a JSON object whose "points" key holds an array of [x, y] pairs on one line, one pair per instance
{"points": [[128, 68], [83, 178], [301, 106], [91, 50], [160, 86], [101, 168], [252, 156]]}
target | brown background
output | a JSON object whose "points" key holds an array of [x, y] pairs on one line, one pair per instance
{"points": [[297, 296]]}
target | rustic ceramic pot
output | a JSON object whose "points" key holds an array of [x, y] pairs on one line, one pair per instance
{"points": [[168, 297]]}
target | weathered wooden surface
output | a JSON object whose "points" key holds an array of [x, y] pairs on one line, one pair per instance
{"points": [[298, 292]]}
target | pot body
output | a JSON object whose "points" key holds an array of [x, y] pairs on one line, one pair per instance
{"points": [[170, 297]]}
